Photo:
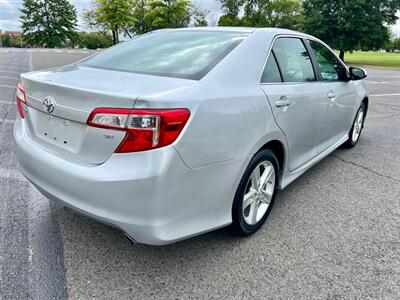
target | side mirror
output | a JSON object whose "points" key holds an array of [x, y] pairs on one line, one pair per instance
{"points": [[357, 73]]}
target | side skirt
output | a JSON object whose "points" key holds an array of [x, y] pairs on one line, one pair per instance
{"points": [[289, 177]]}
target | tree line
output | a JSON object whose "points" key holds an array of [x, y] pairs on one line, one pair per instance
{"points": [[54, 23], [346, 25]]}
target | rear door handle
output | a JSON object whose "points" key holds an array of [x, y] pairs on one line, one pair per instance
{"points": [[332, 95], [282, 102]]}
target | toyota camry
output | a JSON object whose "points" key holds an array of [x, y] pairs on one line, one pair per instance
{"points": [[182, 131]]}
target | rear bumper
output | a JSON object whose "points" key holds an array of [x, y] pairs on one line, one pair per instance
{"points": [[151, 195]]}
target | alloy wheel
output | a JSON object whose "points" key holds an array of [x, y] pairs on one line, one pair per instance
{"points": [[258, 193], [358, 123]]}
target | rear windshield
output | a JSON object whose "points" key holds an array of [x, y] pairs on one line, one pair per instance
{"points": [[182, 54]]}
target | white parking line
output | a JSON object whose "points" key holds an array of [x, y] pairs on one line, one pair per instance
{"points": [[7, 72], [5, 102], [7, 121], [8, 77], [11, 174], [30, 64], [385, 95], [12, 63], [8, 86], [383, 82], [387, 76], [7, 67]]}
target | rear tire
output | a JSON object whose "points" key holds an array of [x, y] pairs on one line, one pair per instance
{"points": [[256, 193], [358, 125]]}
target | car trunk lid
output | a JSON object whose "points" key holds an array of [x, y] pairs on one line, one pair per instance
{"points": [[61, 100]]}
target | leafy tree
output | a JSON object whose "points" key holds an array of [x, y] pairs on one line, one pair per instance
{"points": [[228, 20], [349, 25], [139, 11], [396, 44], [17, 42], [90, 21], [5, 40], [262, 13], [116, 15], [94, 40], [392, 45], [48, 23], [140, 16], [231, 8], [198, 16], [155, 14], [168, 14], [284, 13]]}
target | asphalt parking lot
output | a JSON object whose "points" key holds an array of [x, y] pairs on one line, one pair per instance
{"points": [[333, 233]]}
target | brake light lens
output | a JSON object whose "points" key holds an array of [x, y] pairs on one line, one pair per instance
{"points": [[21, 99], [146, 129]]}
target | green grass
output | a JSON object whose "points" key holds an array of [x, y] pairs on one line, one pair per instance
{"points": [[381, 59]]}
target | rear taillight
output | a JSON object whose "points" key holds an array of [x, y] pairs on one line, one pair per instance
{"points": [[20, 99], [145, 128]]}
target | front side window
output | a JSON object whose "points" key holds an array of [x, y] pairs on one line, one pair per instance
{"points": [[182, 54], [330, 67], [293, 59]]}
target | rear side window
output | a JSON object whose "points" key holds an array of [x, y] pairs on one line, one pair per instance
{"points": [[330, 67], [294, 60], [271, 72], [182, 54]]}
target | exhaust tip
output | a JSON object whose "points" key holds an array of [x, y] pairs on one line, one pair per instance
{"points": [[130, 239]]}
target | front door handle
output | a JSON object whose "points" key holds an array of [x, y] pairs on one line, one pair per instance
{"points": [[282, 102]]}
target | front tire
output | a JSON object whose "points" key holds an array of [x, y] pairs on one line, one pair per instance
{"points": [[256, 193], [358, 125]]}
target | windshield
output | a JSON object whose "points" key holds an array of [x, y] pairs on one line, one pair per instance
{"points": [[182, 54]]}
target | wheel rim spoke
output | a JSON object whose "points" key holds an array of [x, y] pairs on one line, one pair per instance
{"points": [[360, 117], [266, 176], [253, 212], [249, 198], [255, 178]]}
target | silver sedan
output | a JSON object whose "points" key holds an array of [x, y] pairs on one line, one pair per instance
{"points": [[179, 132]]}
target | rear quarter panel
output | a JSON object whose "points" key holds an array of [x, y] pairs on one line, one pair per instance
{"points": [[229, 125], [225, 129]]}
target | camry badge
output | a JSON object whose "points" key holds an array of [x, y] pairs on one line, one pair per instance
{"points": [[49, 104]]}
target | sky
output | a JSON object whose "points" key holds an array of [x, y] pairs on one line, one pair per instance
{"points": [[9, 13]]}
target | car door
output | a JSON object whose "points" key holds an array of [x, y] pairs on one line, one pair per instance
{"points": [[341, 95], [297, 98]]}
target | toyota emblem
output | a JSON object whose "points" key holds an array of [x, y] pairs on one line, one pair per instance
{"points": [[49, 104]]}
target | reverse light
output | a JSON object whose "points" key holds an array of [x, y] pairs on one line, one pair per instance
{"points": [[146, 129], [20, 96]]}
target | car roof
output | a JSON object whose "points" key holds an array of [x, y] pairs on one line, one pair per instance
{"points": [[269, 30], [212, 28]]}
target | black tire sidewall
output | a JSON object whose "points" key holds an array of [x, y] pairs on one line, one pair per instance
{"points": [[239, 224]]}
